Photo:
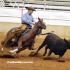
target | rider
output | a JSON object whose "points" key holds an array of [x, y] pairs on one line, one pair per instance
{"points": [[27, 18]]}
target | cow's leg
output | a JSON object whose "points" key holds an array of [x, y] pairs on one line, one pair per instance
{"points": [[39, 49], [45, 51], [61, 59], [49, 53], [42, 45]]}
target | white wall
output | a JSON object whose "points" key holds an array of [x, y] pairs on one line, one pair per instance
{"points": [[51, 17]]}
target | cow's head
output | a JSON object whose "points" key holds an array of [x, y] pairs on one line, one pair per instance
{"points": [[67, 43]]}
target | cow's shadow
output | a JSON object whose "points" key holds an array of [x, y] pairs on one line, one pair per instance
{"points": [[57, 59], [50, 58]]}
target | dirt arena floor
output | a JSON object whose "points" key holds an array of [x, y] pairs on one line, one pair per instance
{"points": [[25, 62]]}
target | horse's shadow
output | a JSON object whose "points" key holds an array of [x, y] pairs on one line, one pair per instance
{"points": [[7, 56]]}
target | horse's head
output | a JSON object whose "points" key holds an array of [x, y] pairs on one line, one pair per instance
{"points": [[41, 24]]}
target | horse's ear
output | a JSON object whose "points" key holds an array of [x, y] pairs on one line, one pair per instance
{"points": [[65, 40], [38, 18]]}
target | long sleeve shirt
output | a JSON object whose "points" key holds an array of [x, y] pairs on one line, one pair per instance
{"points": [[27, 18]]}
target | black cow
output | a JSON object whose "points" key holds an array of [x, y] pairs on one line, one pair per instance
{"points": [[55, 44]]}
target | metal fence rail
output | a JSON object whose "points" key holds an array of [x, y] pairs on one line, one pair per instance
{"points": [[22, 3]]}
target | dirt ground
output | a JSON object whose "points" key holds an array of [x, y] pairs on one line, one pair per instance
{"points": [[25, 62]]}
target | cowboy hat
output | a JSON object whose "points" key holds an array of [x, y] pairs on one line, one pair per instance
{"points": [[30, 8]]}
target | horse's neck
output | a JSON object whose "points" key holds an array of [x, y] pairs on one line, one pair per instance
{"points": [[34, 30]]}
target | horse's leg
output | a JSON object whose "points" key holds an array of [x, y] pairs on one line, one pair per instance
{"points": [[20, 42], [21, 49], [7, 37], [19, 46], [4, 42], [32, 44]]}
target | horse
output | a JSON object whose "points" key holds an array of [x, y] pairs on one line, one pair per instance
{"points": [[28, 38], [13, 36]]}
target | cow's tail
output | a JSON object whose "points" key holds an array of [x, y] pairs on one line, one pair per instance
{"points": [[47, 33]]}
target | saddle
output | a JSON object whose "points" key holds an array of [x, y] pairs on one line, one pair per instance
{"points": [[26, 31]]}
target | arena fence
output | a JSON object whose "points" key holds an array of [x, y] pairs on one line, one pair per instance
{"points": [[56, 16]]}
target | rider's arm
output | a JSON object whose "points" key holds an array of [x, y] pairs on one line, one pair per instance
{"points": [[27, 19]]}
